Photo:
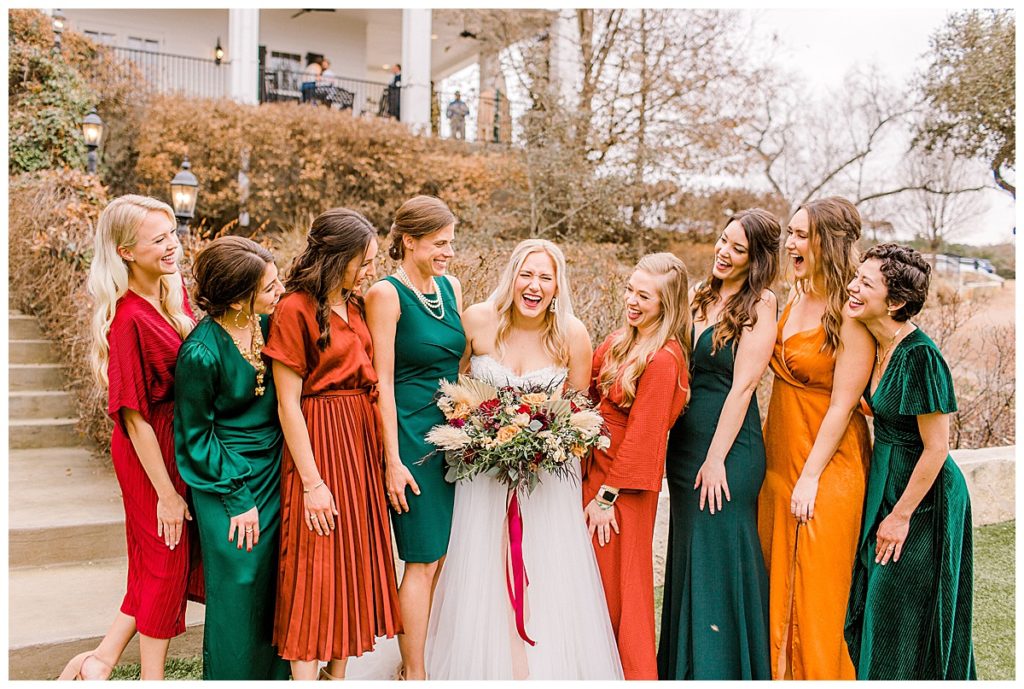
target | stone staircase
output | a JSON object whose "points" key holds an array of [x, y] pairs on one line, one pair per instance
{"points": [[65, 523]]}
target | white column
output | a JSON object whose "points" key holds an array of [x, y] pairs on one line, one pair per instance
{"points": [[243, 50], [416, 70], [565, 66]]}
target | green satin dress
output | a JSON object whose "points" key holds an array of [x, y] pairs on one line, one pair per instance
{"points": [[426, 350], [714, 616], [228, 444], [912, 619]]}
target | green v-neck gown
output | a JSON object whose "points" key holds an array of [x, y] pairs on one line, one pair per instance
{"points": [[426, 350], [228, 445], [912, 619], [714, 618]]}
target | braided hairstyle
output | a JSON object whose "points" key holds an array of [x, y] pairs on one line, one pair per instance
{"points": [[335, 238]]}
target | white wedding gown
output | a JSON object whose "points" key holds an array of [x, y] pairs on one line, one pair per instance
{"points": [[472, 633]]}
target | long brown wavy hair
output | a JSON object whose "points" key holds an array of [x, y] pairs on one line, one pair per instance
{"points": [[833, 229], [335, 238], [762, 230], [628, 358]]}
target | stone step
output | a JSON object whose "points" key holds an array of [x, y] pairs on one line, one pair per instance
{"points": [[36, 351], [22, 327], [36, 404], [40, 433], [36, 376], [59, 611], [65, 506]]}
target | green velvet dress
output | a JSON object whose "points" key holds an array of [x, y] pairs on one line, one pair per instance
{"points": [[426, 350], [912, 619], [228, 444], [714, 616]]}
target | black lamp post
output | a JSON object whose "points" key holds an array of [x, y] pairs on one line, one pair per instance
{"points": [[92, 130], [58, 29], [184, 190]]}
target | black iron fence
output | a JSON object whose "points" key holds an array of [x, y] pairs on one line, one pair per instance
{"points": [[358, 95], [195, 77], [486, 117]]}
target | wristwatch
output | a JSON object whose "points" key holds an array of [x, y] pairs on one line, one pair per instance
{"points": [[607, 495]]}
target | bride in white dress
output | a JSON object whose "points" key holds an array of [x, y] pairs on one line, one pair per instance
{"points": [[524, 333]]}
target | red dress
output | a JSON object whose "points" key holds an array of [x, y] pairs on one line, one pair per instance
{"points": [[635, 463], [335, 592], [143, 352]]}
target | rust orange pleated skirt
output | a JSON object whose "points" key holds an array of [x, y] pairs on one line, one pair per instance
{"points": [[337, 592]]}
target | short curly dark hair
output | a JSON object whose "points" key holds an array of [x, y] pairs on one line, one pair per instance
{"points": [[906, 274]]}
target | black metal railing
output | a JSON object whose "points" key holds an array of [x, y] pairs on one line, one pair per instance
{"points": [[488, 117], [343, 93], [195, 77]]}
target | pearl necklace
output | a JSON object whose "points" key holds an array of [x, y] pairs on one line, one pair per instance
{"points": [[432, 305]]}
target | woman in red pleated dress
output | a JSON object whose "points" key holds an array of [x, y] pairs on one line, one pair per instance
{"points": [[141, 317], [336, 577], [640, 375]]}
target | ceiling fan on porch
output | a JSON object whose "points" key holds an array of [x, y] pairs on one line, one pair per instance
{"points": [[315, 9]]}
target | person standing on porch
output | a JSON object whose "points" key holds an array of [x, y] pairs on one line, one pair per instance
{"points": [[457, 113]]}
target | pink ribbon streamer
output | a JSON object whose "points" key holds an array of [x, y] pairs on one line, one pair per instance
{"points": [[516, 581]]}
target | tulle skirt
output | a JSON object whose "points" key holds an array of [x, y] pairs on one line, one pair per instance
{"points": [[472, 632]]}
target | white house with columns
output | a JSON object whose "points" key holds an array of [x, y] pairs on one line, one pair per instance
{"points": [[361, 44]]}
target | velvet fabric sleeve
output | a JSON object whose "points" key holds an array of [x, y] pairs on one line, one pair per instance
{"points": [[927, 383], [640, 461], [205, 463]]}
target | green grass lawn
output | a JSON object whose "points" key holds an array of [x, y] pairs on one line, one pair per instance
{"points": [[993, 601], [993, 611]]}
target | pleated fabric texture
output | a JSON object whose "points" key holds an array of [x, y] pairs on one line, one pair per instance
{"points": [[143, 352], [912, 619], [337, 592], [714, 620], [810, 567]]}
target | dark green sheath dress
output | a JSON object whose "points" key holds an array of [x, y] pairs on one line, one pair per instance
{"points": [[426, 350], [714, 617], [912, 619], [228, 446]]}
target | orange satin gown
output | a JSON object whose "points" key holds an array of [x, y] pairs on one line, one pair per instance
{"points": [[635, 463], [810, 567]]}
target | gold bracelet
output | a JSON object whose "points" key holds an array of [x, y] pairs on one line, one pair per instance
{"points": [[310, 490]]}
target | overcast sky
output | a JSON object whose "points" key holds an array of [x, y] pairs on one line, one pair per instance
{"points": [[822, 45]]}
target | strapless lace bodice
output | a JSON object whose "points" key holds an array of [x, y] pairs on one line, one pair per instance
{"points": [[487, 368]]}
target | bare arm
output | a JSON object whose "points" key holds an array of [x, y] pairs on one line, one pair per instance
{"points": [[382, 313], [753, 353], [319, 503], [894, 528], [457, 288], [171, 508], [852, 372], [581, 354]]}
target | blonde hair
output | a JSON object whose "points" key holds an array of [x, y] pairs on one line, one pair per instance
{"points": [[627, 357], [556, 323], [108, 274]]}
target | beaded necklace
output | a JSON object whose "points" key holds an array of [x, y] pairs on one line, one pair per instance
{"points": [[252, 353], [435, 305]]}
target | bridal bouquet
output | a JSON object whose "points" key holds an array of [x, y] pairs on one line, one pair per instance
{"points": [[514, 433]]}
